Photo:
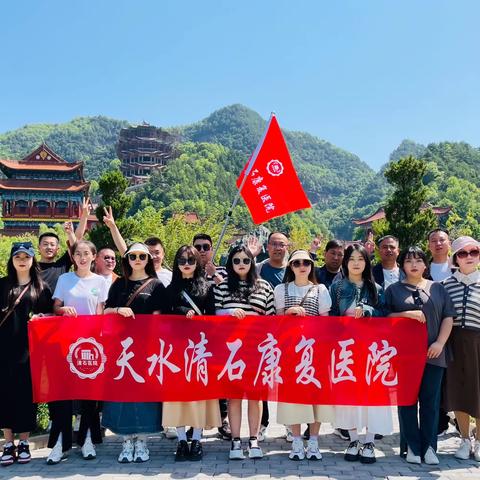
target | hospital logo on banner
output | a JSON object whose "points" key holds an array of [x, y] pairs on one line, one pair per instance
{"points": [[86, 358]]}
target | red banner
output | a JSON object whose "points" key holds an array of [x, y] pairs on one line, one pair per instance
{"points": [[312, 360], [272, 188]]}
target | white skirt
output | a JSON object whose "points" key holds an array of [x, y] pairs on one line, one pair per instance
{"points": [[295, 413], [374, 419]]}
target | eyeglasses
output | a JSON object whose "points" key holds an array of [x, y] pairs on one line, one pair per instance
{"points": [[278, 244], [190, 260], [203, 246], [465, 254], [134, 256], [245, 261], [109, 258], [303, 263]]}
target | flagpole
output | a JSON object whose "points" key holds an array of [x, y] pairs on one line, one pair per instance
{"points": [[244, 179]]}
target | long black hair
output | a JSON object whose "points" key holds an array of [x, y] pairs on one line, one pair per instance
{"points": [[290, 275], [367, 275], [233, 280], [127, 269], [199, 284], [36, 282]]}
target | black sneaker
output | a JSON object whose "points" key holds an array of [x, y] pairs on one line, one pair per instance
{"points": [[352, 453], [196, 451], [189, 433], [306, 433], [224, 431], [23, 453], [343, 434], [367, 453], [378, 436], [9, 455], [182, 453]]}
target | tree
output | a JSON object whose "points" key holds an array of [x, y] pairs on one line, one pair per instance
{"points": [[403, 210], [111, 186]]}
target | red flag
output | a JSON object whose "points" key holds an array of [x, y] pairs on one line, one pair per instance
{"points": [[272, 188]]}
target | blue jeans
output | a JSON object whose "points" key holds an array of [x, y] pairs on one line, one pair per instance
{"points": [[125, 418], [421, 436]]}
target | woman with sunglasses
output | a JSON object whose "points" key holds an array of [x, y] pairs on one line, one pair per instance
{"points": [[134, 420], [462, 382], [425, 301], [243, 293], [357, 295], [189, 294], [80, 292], [22, 293], [300, 295]]}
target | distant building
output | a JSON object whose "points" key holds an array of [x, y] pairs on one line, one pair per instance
{"points": [[41, 188], [367, 222], [143, 149]]}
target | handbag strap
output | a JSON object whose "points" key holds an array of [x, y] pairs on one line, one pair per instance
{"points": [[135, 294], [15, 303], [302, 301]]}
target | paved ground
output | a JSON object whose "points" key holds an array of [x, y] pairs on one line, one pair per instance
{"points": [[275, 464]]}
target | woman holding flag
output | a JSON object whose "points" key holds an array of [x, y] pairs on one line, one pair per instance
{"points": [[189, 294]]}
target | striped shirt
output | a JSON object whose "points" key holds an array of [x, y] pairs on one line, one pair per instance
{"points": [[464, 290], [260, 301]]}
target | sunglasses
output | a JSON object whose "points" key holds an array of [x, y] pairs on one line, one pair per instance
{"points": [[298, 263], [245, 261], [108, 258], [203, 246], [184, 261], [134, 256], [465, 254]]}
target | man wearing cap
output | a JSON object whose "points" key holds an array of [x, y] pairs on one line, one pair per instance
{"points": [[387, 271]]}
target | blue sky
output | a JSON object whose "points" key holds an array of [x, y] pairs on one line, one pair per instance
{"points": [[361, 74]]}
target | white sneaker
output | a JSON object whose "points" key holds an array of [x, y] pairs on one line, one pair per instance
{"points": [[289, 436], [367, 453], [170, 432], [254, 451], [88, 450], [55, 455], [312, 451], [412, 458], [476, 451], [262, 433], [352, 453], [126, 456], [430, 457], [236, 451], [298, 450], [142, 453], [464, 450]]}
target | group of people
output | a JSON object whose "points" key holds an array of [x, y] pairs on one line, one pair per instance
{"points": [[444, 293]]}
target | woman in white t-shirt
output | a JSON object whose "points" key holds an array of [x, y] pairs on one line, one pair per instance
{"points": [[82, 292], [300, 295]]}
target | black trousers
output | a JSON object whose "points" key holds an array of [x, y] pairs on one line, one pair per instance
{"points": [[223, 408], [265, 414], [90, 420]]}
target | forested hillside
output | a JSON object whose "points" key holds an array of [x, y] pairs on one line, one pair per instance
{"points": [[213, 151]]}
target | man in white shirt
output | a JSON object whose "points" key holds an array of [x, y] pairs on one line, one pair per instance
{"points": [[387, 271], [439, 246]]}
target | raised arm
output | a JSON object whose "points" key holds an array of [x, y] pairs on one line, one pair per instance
{"points": [[82, 224], [109, 221]]}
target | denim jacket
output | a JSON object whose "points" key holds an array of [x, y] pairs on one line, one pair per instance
{"points": [[344, 293]]}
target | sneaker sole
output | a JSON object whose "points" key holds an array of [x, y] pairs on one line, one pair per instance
{"points": [[255, 455], [314, 458], [7, 463], [90, 457], [140, 460], [296, 458], [125, 460], [24, 460], [367, 460], [351, 458]]}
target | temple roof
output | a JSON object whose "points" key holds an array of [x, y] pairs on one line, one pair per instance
{"points": [[45, 185], [42, 158], [380, 214]]}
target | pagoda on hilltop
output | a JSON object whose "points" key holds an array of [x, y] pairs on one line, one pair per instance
{"points": [[143, 149], [40, 188]]}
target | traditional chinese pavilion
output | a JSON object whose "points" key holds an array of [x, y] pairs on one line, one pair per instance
{"points": [[143, 149], [41, 188], [366, 222]]}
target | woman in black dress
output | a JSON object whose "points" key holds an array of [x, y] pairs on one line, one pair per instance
{"points": [[134, 420], [189, 294], [22, 293]]}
